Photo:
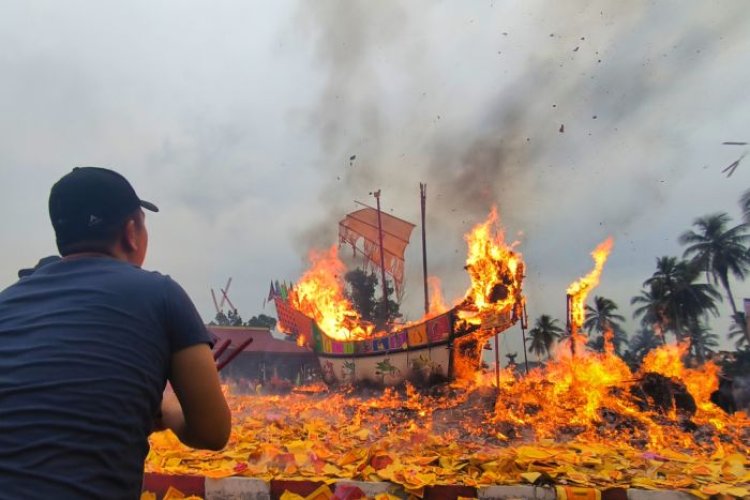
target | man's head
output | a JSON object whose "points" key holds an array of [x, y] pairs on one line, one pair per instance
{"points": [[96, 210]]}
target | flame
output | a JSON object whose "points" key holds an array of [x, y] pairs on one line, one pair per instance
{"points": [[320, 295], [577, 395], [582, 419], [437, 303], [575, 418], [579, 290], [495, 269], [700, 382]]}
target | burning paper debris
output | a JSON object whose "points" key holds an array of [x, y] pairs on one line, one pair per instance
{"points": [[583, 422]]}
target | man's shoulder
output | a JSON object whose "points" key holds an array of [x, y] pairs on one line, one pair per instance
{"points": [[110, 274], [124, 269], [148, 278]]}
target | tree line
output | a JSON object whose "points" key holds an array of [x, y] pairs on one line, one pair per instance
{"points": [[678, 299]]}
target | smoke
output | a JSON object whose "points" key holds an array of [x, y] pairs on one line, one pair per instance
{"points": [[570, 117]]}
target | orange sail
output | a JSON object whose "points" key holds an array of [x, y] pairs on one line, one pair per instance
{"points": [[360, 230]]}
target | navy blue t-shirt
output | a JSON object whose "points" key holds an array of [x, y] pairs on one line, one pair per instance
{"points": [[85, 349]]}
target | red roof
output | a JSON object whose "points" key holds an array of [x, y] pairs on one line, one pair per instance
{"points": [[263, 341]]}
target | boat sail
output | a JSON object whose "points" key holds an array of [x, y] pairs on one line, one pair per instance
{"points": [[361, 230]]}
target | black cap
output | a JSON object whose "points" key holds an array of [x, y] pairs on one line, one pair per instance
{"points": [[89, 201]]}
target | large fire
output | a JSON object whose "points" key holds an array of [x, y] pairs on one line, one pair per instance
{"points": [[495, 270], [320, 295], [586, 421], [582, 420]]}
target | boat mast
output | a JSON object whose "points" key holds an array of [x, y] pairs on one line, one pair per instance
{"points": [[382, 257], [423, 200]]}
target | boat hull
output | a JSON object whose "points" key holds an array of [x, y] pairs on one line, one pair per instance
{"points": [[419, 365], [423, 353]]}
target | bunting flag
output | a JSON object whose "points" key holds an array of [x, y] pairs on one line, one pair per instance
{"points": [[291, 321], [439, 328]]}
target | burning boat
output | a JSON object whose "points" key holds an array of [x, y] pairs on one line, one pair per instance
{"points": [[445, 344]]}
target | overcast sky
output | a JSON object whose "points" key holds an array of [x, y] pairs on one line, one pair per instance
{"points": [[579, 119]]}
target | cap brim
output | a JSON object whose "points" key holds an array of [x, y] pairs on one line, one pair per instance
{"points": [[149, 206]]}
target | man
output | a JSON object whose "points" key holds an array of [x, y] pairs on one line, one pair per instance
{"points": [[87, 344]]}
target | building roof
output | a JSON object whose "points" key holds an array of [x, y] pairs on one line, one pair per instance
{"points": [[263, 341]]}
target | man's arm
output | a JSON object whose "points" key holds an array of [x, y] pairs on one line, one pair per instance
{"points": [[199, 416]]}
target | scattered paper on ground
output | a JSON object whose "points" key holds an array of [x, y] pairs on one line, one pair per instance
{"points": [[457, 437]]}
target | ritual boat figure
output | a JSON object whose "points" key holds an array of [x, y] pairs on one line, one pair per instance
{"points": [[441, 346]]}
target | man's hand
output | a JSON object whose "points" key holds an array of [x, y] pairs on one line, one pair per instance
{"points": [[170, 414], [199, 415]]}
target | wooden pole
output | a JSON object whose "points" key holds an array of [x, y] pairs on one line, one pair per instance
{"points": [[382, 258], [423, 200], [497, 362], [570, 325], [524, 325]]}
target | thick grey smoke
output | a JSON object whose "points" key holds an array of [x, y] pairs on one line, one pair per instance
{"points": [[565, 116]]}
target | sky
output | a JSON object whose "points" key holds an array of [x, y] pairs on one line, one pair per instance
{"points": [[579, 120]]}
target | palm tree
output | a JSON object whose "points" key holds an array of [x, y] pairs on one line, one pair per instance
{"points": [[651, 309], [640, 344], [719, 250], [745, 206], [619, 340], [672, 300], [738, 329], [602, 318], [543, 335], [702, 340]]}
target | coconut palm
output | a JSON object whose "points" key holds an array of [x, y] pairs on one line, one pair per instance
{"points": [[650, 307], [702, 340], [737, 330], [745, 206], [641, 344], [719, 250], [672, 300], [602, 318], [544, 333]]}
